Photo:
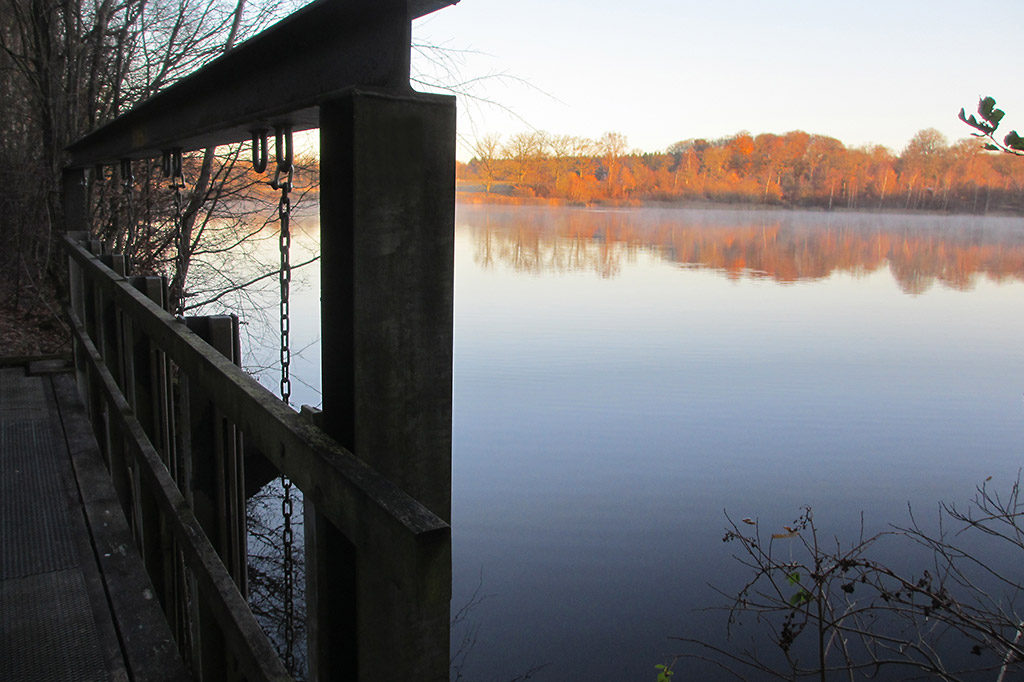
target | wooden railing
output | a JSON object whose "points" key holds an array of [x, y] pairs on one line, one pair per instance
{"points": [[146, 376], [177, 420]]}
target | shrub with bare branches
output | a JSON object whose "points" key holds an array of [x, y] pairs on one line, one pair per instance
{"points": [[832, 609]]}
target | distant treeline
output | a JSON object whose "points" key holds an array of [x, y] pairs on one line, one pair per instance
{"points": [[794, 169]]}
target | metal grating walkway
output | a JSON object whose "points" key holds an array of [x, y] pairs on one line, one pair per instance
{"points": [[57, 621], [49, 632], [35, 534]]}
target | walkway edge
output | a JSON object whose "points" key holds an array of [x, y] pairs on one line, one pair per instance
{"points": [[149, 648]]}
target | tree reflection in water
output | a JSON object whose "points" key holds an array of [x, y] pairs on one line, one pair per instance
{"points": [[785, 246], [265, 523]]}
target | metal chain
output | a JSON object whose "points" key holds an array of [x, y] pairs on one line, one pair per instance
{"points": [[283, 181], [284, 214], [288, 539], [172, 170], [128, 183]]}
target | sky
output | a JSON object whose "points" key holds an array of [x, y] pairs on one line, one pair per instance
{"points": [[660, 71]]}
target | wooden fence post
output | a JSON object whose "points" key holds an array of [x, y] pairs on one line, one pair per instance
{"points": [[214, 491], [387, 206], [74, 193], [110, 342], [147, 393]]}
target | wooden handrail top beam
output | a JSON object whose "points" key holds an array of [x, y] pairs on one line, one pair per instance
{"points": [[276, 77], [361, 503]]}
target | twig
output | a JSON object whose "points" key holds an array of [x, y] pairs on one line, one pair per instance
{"points": [[243, 285]]}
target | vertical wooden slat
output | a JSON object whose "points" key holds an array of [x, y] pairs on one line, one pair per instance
{"points": [[108, 340], [75, 205], [95, 405], [76, 302], [181, 472], [213, 461], [147, 388]]}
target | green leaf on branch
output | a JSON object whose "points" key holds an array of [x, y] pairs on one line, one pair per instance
{"points": [[985, 106], [1014, 141], [800, 598], [793, 578], [975, 123], [988, 111]]}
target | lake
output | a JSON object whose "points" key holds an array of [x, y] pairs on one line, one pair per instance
{"points": [[623, 377]]}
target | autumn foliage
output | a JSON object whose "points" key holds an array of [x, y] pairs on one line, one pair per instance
{"points": [[794, 169]]}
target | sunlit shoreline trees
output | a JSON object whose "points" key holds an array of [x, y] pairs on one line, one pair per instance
{"points": [[795, 169]]}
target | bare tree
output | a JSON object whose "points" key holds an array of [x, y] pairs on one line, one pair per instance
{"points": [[563, 149], [487, 151], [522, 149], [70, 66], [612, 146]]}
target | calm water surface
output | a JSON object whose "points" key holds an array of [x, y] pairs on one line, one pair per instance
{"points": [[624, 376]]}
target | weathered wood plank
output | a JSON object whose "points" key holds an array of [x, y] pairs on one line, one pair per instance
{"points": [[243, 635], [84, 539], [146, 390], [387, 210], [370, 510], [149, 648], [214, 454], [343, 45]]}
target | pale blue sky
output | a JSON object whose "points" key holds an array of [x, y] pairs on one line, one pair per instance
{"points": [[659, 71]]}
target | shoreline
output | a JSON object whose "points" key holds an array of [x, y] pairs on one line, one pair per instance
{"points": [[471, 198]]}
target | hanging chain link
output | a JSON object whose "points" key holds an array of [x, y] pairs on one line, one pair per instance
{"points": [[284, 213], [288, 540], [172, 170], [283, 181], [128, 183]]}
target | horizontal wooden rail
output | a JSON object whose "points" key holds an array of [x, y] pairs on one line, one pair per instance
{"points": [[380, 519], [245, 639], [278, 76]]}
